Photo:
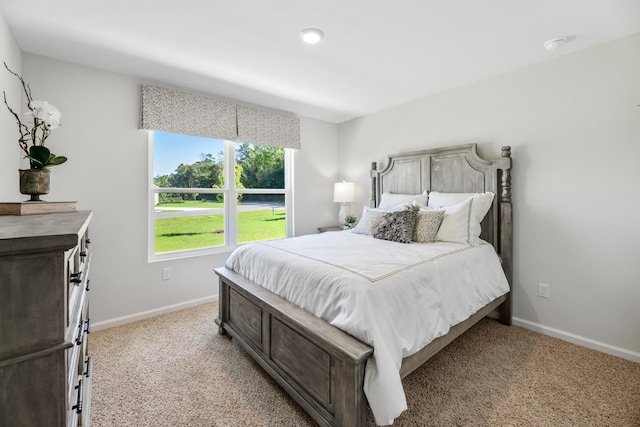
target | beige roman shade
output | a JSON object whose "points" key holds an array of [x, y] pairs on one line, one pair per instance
{"points": [[169, 110], [267, 128]]}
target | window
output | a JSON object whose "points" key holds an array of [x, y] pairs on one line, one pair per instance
{"points": [[208, 195]]}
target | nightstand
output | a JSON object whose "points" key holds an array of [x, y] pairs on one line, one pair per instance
{"points": [[331, 228]]}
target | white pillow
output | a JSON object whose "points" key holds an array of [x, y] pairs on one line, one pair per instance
{"points": [[390, 200], [456, 223], [422, 207], [480, 206], [438, 199]]}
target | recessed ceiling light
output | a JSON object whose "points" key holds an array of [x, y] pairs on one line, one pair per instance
{"points": [[555, 44], [311, 35]]}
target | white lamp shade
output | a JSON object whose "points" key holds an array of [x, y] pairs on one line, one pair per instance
{"points": [[344, 192]]}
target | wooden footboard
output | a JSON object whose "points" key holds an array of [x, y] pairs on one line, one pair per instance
{"points": [[320, 366]]}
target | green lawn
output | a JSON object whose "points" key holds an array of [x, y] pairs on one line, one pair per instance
{"points": [[193, 232]]}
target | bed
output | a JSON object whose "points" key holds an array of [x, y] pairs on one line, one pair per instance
{"points": [[325, 369]]}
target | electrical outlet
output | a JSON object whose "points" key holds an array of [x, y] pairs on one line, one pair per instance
{"points": [[166, 273], [543, 290]]}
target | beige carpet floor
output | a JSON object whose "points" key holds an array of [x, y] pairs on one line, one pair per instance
{"points": [[175, 370]]}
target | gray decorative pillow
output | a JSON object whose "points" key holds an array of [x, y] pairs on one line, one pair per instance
{"points": [[427, 225], [369, 221], [397, 226]]}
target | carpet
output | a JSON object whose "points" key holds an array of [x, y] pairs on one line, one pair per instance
{"points": [[175, 370]]}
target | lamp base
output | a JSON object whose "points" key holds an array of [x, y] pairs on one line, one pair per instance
{"points": [[342, 215]]}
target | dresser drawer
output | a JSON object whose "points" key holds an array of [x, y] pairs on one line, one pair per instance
{"points": [[85, 416], [80, 396], [78, 292], [76, 355], [78, 261]]}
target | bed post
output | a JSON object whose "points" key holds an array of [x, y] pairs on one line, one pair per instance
{"points": [[223, 306], [374, 185], [506, 231]]}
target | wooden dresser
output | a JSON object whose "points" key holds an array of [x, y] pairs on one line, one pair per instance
{"points": [[45, 371]]}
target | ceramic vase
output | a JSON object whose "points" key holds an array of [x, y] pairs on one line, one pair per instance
{"points": [[34, 182]]}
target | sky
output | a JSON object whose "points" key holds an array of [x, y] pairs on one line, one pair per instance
{"points": [[170, 150]]}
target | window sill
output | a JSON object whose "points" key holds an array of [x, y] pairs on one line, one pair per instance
{"points": [[192, 253]]}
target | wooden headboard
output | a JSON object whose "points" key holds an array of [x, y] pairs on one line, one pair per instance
{"points": [[457, 169]]}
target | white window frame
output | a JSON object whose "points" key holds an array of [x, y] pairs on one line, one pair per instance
{"points": [[230, 209]]}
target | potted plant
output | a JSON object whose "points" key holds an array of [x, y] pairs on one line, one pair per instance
{"points": [[350, 220], [44, 118]]}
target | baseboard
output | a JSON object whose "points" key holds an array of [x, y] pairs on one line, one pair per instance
{"points": [[97, 326], [577, 339]]}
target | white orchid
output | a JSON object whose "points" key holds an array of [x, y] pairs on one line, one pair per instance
{"points": [[45, 118], [45, 112]]}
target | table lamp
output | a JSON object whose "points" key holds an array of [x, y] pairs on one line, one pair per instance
{"points": [[343, 192]]}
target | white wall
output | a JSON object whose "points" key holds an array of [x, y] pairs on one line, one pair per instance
{"points": [[316, 169], [574, 125], [107, 173], [10, 152]]}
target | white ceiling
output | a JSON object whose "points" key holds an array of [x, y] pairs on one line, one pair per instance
{"points": [[376, 53]]}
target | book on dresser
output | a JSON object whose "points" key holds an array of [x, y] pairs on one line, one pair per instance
{"points": [[45, 368]]}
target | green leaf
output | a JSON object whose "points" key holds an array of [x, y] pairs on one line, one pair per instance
{"points": [[41, 157], [57, 160]]}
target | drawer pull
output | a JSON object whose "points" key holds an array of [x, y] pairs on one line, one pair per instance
{"points": [[80, 335], [88, 285], [87, 241], [83, 254], [87, 372], [82, 331], [76, 277], [78, 405]]}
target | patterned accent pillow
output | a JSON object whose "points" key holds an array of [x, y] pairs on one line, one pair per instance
{"points": [[427, 225], [397, 226], [369, 221]]}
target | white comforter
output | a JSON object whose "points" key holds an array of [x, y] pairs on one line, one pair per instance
{"points": [[395, 297]]}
